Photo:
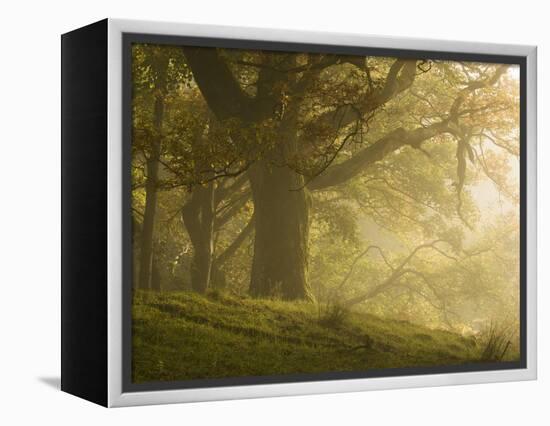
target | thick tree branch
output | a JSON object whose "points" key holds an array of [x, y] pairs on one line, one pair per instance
{"points": [[221, 89], [400, 77], [342, 172]]}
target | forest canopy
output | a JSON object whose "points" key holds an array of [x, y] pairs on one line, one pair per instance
{"points": [[380, 185]]}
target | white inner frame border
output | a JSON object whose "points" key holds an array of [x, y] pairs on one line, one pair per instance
{"points": [[117, 398]]}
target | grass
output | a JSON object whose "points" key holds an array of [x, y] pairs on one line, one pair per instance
{"points": [[496, 343], [183, 335]]}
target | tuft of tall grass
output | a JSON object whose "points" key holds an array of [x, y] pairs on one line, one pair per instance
{"points": [[334, 316], [495, 343]]}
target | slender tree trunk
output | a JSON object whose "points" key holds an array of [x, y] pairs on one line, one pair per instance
{"points": [[152, 167], [217, 278], [150, 204], [155, 275], [281, 215], [198, 216]]}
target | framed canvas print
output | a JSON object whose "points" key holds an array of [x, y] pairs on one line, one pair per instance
{"points": [[251, 213]]}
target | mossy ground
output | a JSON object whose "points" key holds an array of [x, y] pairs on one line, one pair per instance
{"points": [[183, 335]]}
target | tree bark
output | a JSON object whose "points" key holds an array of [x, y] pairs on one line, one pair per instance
{"points": [[281, 216]]}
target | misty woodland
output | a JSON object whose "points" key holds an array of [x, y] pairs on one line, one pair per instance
{"points": [[307, 213]]}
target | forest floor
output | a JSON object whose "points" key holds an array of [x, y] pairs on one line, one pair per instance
{"points": [[183, 335]]}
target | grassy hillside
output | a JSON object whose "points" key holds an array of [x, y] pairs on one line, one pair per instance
{"points": [[179, 336]]}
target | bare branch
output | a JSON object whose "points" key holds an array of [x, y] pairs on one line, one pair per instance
{"points": [[357, 258]]}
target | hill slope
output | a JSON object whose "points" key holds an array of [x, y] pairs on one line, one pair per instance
{"points": [[180, 336]]}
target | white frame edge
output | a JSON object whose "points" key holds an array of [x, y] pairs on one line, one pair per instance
{"points": [[116, 397]]}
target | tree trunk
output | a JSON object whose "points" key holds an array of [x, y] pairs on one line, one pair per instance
{"points": [[281, 215], [147, 230], [217, 277], [155, 275], [146, 244], [198, 216]]}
